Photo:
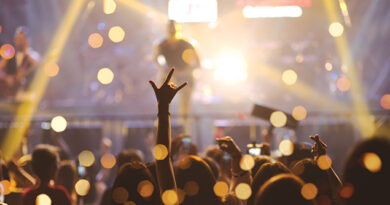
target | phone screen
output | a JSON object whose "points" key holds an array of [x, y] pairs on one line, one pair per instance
{"points": [[254, 151]]}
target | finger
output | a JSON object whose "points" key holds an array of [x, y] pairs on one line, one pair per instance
{"points": [[153, 85], [169, 76], [182, 86]]}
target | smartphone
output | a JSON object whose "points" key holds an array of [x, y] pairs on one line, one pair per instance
{"points": [[254, 149], [81, 170]]}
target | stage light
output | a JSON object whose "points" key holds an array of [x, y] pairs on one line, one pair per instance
{"points": [[278, 119], [194, 42], [207, 64], [169, 197], [193, 11], [336, 29], [108, 160], [189, 56], [160, 152], [372, 162], [272, 12], [109, 6], [299, 112], [86, 158], [51, 69], [243, 191], [82, 187], [105, 76], [385, 101], [145, 188], [161, 60], [6, 186], [286, 147], [221, 189], [309, 191], [95, 40], [7, 51], [230, 68], [101, 26], [116, 34], [328, 66], [343, 84], [289, 77], [43, 199], [324, 162], [58, 123], [247, 162]]}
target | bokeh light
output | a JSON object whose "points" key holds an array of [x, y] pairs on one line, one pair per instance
{"points": [[161, 60], [243, 191], [58, 123], [105, 76], [247, 162], [181, 194], [230, 68], [169, 197], [191, 188], [145, 188], [43, 199], [108, 160], [7, 186], [286, 147], [51, 69], [309, 191], [385, 101], [221, 188], [129, 203], [7, 51], [86, 158], [82, 187], [109, 6], [95, 40], [347, 190], [343, 83], [184, 162], [278, 119], [328, 66], [189, 56], [324, 162], [160, 152], [289, 77], [116, 34], [120, 195], [372, 162], [336, 29], [299, 112]]}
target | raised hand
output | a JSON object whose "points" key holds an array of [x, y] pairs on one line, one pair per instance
{"points": [[167, 91], [319, 147], [228, 145]]}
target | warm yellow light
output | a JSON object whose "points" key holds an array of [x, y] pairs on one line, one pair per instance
{"points": [[82, 187], [109, 6], [278, 119], [86, 158], [191, 188], [299, 112], [51, 69], [116, 34], [160, 152], [347, 191], [145, 188], [58, 123], [7, 186], [328, 66], [385, 101], [372, 162], [189, 56], [169, 197], [221, 188], [7, 51], [243, 191], [324, 162], [286, 147], [120, 195], [247, 162], [343, 84], [105, 76], [309, 191], [230, 68], [336, 29], [289, 77], [181, 194], [95, 40], [43, 199], [108, 160]]}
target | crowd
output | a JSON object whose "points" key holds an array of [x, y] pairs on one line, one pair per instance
{"points": [[222, 174]]}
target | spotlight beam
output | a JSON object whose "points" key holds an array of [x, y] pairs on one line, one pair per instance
{"points": [[144, 9], [26, 110]]}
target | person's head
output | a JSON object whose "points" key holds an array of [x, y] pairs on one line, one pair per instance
{"points": [[129, 155], [171, 29], [22, 38], [301, 151], [213, 166], [194, 176], [67, 175], [265, 172], [182, 144], [44, 162], [309, 172], [230, 199], [135, 183], [282, 189], [366, 174], [259, 160]]}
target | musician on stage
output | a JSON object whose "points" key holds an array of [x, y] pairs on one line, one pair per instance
{"points": [[178, 53], [17, 72]]}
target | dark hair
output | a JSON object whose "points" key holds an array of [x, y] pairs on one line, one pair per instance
{"points": [[67, 175], [368, 187], [44, 161], [266, 171], [129, 155], [213, 166], [282, 189], [301, 151], [192, 169], [129, 177], [259, 160]]}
